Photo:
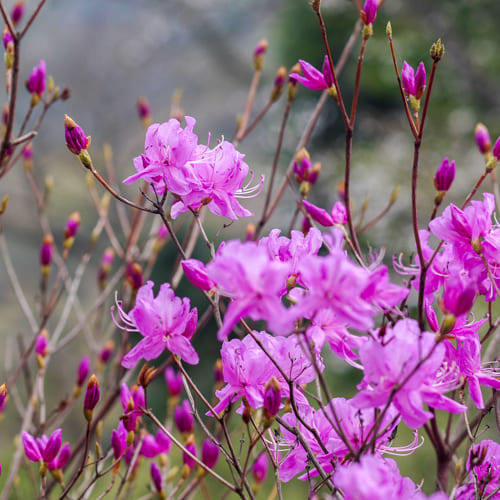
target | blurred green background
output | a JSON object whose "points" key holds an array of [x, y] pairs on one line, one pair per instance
{"points": [[109, 53]]}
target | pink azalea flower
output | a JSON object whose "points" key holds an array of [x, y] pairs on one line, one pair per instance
{"points": [[469, 361], [165, 322], [377, 478], [247, 369], [245, 273], [357, 427], [196, 174], [394, 360], [313, 78], [43, 448]]}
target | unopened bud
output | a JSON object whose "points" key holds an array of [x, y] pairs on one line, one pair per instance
{"points": [[146, 375], [437, 50], [258, 54], [279, 82], [71, 228], [92, 396], [388, 29]]}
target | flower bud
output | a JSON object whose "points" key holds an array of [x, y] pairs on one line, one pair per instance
{"points": [[195, 271], [209, 453], [36, 82], [279, 82], [183, 417], [173, 380], [292, 82], [191, 447], [105, 268], [134, 276], [369, 12], [218, 372], [46, 254], [258, 54], [71, 228], [496, 149], [483, 139], [76, 140], [106, 352], [444, 175], [272, 398], [156, 477], [144, 111], [3, 395], [437, 50], [259, 470], [17, 12], [83, 371], [146, 375], [92, 396]]}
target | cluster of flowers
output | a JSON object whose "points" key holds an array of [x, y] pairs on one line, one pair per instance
{"points": [[194, 173]]}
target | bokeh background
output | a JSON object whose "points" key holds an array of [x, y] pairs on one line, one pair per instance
{"points": [[111, 52]]}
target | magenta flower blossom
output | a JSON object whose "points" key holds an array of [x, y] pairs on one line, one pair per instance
{"points": [[165, 322], [247, 370], [196, 174], [36, 81], [245, 273], [357, 427], [483, 466], [132, 401], [313, 78], [469, 361], [408, 360], [43, 448], [377, 478], [369, 12], [338, 214], [413, 83], [187, 459], [445, 175]]}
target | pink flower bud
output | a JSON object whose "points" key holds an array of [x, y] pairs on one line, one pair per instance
{"points": [[106, 352], [72, 225], [483, 139], [173, 381], [31, 448], [259, 469], [52, 446], [36, 81], [143, 109], [496, 149], [76, 140], [8, 41], [105, 268], [408, 79], [209, 453], [156, 477], [92, 395], [369, 12], [444, 175], [191, 447], [17, 12], [3, 394], [195, 272], [83, 371], [119, 440], [41, 344], [420, 80], [272, 398], [134, 275], [218, 372], [459, 295], [183, 417], [46, 252], [163, 442]]}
